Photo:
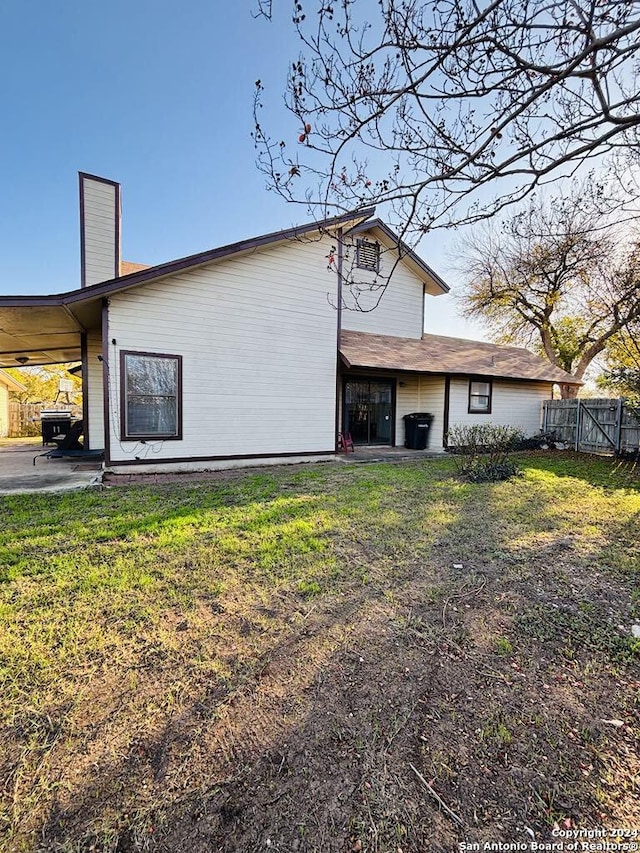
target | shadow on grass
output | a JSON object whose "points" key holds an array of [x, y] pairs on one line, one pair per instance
{"points": [[594, 470], [291, 722]]}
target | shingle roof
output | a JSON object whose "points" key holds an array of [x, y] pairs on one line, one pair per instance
{"points": [[440, 354], [127, 267]]}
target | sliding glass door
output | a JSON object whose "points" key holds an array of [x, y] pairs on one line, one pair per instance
{"points": [[368, 410]]}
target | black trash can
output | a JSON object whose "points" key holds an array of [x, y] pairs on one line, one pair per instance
{"points": [[416, 430]]}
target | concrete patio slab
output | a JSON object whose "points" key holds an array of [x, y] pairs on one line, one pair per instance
{"points": [[19, 475], [384, 453]]}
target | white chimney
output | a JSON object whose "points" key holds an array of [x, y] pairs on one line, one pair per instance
{"points": [[99, 229]]}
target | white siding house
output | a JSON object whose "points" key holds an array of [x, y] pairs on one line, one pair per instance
{"points": [[517, 404], [7, 384], [263, 350], [94, 402], [257, 341]]}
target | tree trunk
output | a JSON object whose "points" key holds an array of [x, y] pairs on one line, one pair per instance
{"points": [[568, 392]]}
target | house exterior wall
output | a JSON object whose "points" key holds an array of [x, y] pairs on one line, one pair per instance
{"points": [[513, 403], [432, 401], [257, 336], [418, 393], [95, 400], [397, 311], [414, 393], [407, 401], [4, 411]]}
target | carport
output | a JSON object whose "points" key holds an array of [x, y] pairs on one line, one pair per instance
{"points": [[42, 330], [18, 473], [38, 330]]}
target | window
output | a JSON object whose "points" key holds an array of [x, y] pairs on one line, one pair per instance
{"points": [[480, 397], [368, 255], [150, 396]]}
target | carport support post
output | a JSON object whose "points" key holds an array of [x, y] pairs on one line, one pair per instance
{"points": [[105, 382], [84, 358]]}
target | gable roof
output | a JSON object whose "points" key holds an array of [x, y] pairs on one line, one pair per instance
{"points": [[134, 274], [435, 285], [47, 328], [444, 355]]}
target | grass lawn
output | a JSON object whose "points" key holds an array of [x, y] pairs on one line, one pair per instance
{"points": [[306, 659]]}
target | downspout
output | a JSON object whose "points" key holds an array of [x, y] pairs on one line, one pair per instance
{"points": [[338, 340]]}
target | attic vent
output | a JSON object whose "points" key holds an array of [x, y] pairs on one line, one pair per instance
{"points": [[368, 255]]}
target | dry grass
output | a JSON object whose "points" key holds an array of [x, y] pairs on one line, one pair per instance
{"points": [[256, 661]]}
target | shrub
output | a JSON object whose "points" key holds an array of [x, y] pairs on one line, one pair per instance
{"points": [[485, 472], [481, 451]]}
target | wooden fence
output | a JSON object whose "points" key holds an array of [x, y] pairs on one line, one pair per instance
{"points": [[594, 426], [24, 418]]}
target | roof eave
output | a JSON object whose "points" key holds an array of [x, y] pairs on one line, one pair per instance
{"points": [[362, 365], [105, 288], [412, 355]]}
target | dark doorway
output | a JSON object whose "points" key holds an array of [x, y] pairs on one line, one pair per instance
{"points": [[369, 410]]}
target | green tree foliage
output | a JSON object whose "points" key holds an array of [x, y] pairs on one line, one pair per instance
{"points": [[555, 278], [622, 368], [42, 383]]}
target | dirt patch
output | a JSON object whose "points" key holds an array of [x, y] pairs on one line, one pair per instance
{"points": [[188, 478], [316, 750], [456, 667]]}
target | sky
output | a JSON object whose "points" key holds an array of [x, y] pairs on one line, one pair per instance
{"points": [[156, 95]]}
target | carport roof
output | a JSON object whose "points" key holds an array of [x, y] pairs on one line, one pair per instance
{"points": [[41, 333]]}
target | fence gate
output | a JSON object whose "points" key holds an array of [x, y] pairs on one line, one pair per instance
{"points": [[594, 426]]}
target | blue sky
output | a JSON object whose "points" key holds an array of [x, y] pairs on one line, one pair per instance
{"points": [[156, 95]]}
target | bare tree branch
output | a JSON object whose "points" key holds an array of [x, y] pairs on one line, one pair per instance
{"points": [[430, 106], [264, 9], [556, 276]]}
